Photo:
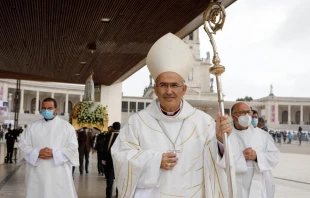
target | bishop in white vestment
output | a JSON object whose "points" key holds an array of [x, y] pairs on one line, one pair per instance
{"points": [[170, 149], [254, 177], [49, 177]]}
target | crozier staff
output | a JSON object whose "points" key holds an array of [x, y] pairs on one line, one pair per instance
{"points": [[170, 148]]}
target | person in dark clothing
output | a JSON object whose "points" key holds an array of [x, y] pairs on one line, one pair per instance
{"points": [[10, 139], [279, 136], [299, 134], [107, 158], [284, 136], [85, 140], [1, 133], [274, 134], [99, 140], [261, 124]]}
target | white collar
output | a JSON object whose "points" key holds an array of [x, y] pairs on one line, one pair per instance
{"points": [[155, 111]]}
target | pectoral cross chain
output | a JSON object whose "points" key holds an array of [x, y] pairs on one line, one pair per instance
{"points": [[173, 143]]}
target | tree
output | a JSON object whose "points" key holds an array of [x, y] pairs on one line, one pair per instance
{"points": [[246, 99]]}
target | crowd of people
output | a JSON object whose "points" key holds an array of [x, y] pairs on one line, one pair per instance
{"points": [[169, 149], [74, 150], [286, 136], [11, 137], [100, 142], [52, 149], [279, 136]]}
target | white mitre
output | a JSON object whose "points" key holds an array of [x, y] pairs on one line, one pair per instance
{"points": [[170, 54]]}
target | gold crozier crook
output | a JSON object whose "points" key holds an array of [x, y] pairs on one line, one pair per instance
{"points": [[214, 18]]}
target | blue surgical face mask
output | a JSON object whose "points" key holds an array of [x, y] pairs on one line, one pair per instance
{"points": [[254, 122], [47, 114]]}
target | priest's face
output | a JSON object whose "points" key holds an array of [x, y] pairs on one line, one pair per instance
{"points": [[170, 89], [49, 105], [240, 109]]}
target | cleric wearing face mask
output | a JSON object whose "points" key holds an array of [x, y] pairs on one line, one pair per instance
{"points": [[50, 148], [254, 121], [255, 155]]}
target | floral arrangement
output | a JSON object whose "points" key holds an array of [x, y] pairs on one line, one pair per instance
{"points": [[89, 112]]}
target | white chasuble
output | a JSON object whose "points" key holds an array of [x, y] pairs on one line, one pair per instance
{"points": [[138, 149], [50, 178], [254, 179]]}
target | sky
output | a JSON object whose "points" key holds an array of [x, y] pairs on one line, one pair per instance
{"points": [[263, 42]]}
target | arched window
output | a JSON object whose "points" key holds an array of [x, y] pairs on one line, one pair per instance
{"points": [[284, 117], [297, 117], [33, 105]]}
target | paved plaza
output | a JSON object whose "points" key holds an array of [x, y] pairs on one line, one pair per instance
{"points": [[292, 176]]}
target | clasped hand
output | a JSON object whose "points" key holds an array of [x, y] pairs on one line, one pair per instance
{"points": [[46, 153], [249, 154]]}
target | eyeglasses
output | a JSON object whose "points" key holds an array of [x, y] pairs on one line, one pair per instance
{"points": [[243, 112], [171, 85], [48, 108]]}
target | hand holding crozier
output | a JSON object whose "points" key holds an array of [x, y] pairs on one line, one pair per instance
{"points": [[222, 126]]}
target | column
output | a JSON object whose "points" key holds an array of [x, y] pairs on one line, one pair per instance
{"points": [[9, 106], [66, 105], [267, 112], [111, 96], [21, 107], [81, 98], [128, 109], [289, 114], [5, 92], [52, 95], [37, 103], [276, 113], [301, 114]]}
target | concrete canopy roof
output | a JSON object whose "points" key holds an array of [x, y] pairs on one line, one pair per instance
{"points": [[51, 40]]}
